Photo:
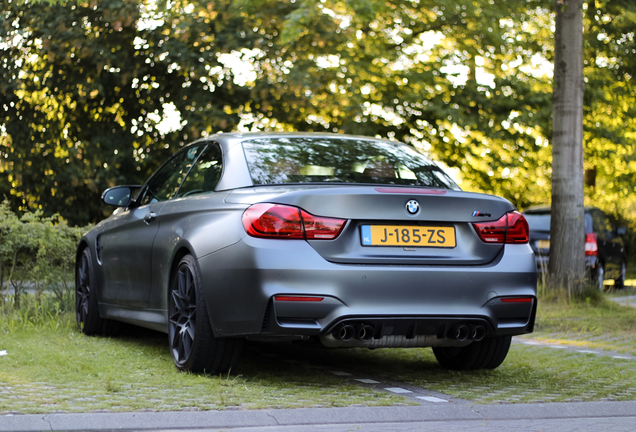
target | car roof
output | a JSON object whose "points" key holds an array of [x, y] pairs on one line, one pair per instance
{"points": [[232, 138]]}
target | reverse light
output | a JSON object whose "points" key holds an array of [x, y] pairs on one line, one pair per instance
{"points": [[511, 228], [288, 222], [591, 246]]}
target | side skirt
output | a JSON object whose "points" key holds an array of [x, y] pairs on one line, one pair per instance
{"points": [[154, 319]]}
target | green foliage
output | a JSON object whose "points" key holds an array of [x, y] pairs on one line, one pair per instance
{"points": [[86, 84], [84, 91], [37, 254]]}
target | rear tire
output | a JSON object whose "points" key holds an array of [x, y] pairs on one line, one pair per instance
{"points": [[486, 354], [86, 305], [192, 343], [620, 282], [600, 276]]}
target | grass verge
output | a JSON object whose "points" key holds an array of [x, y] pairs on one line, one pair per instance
{"points": [[593, 321], [51, 367], [50, 370]]}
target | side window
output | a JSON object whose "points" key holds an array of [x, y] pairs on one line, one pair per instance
{"points": [[205, 174], [588, 223], [165, 183]]}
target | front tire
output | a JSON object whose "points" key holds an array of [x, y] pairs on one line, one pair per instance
{"points": [[192, 343], [488, 353]]}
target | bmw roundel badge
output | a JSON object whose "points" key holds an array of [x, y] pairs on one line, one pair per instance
{"points": [[412, 207]]}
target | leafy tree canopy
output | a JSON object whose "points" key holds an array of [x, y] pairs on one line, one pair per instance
{"points": [[87, 88]]}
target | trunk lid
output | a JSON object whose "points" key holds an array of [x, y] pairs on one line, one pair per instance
{"points": [[383, 213]]}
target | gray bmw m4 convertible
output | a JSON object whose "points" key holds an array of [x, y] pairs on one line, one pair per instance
{"points": [[347, 240]]}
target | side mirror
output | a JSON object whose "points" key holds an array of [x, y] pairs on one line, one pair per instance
{"points": [[119, 196], [621, 231]]}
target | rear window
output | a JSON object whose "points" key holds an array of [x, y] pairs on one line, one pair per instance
{"points": [[541, 222], [538, 222], [332, 160]]}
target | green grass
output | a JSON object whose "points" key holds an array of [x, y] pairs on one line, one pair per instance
{"points": [[592, 321], [528, 374], [51, 367], [51, 370]]}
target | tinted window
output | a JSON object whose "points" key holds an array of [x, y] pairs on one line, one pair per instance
{"points": [[205, 173], [538, 222], [541, 222], [165, 183], [333, 160]]}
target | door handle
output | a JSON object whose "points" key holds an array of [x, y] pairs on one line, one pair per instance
{"points": [[150, 216]]}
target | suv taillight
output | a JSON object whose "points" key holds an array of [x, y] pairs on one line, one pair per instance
{"points": [[511, 228], [591, 246], [288, 222]]}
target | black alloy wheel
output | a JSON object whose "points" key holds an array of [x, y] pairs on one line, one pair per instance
{"points": [[183, 315], [192, 344]]}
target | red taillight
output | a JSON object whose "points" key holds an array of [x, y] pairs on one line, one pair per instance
{"points": [[271, 220], [511, 228], [287, 222], [518, 230], [299, 298], [591, 247]]}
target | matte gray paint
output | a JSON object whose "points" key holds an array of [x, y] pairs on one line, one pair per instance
{"points": [[241, 274]]}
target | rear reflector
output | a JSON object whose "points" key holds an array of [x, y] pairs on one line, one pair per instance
{"points": [[288, 222], [517, 300], [299, 299], [511, 228]]}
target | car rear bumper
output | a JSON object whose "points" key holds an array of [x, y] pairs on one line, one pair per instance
{"points": [[242, 282]]}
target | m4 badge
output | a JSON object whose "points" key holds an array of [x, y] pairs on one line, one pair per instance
{"points": [[480, 214]]}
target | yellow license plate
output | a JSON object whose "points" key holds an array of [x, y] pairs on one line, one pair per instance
{"points": [[399, 235], [543, 244]]}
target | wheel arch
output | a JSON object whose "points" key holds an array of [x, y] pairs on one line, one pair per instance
{"points": [[181, 252], [83, 244], [176, 259]]}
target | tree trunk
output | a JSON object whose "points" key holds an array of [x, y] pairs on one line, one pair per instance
{"points": [[567, 227]]}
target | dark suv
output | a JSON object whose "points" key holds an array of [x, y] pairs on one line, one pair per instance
{"points": [[604, 250]]}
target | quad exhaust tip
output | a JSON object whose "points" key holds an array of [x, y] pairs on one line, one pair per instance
{"points": [[463, 332], [361, 332], [345, 333], [366, 332], [460, 333], [477, 332]]}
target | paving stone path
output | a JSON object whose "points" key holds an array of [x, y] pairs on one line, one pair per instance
{"points": [[625, 301], [45, 397]]}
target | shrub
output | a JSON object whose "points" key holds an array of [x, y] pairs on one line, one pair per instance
{"points": [[37, 254]]}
